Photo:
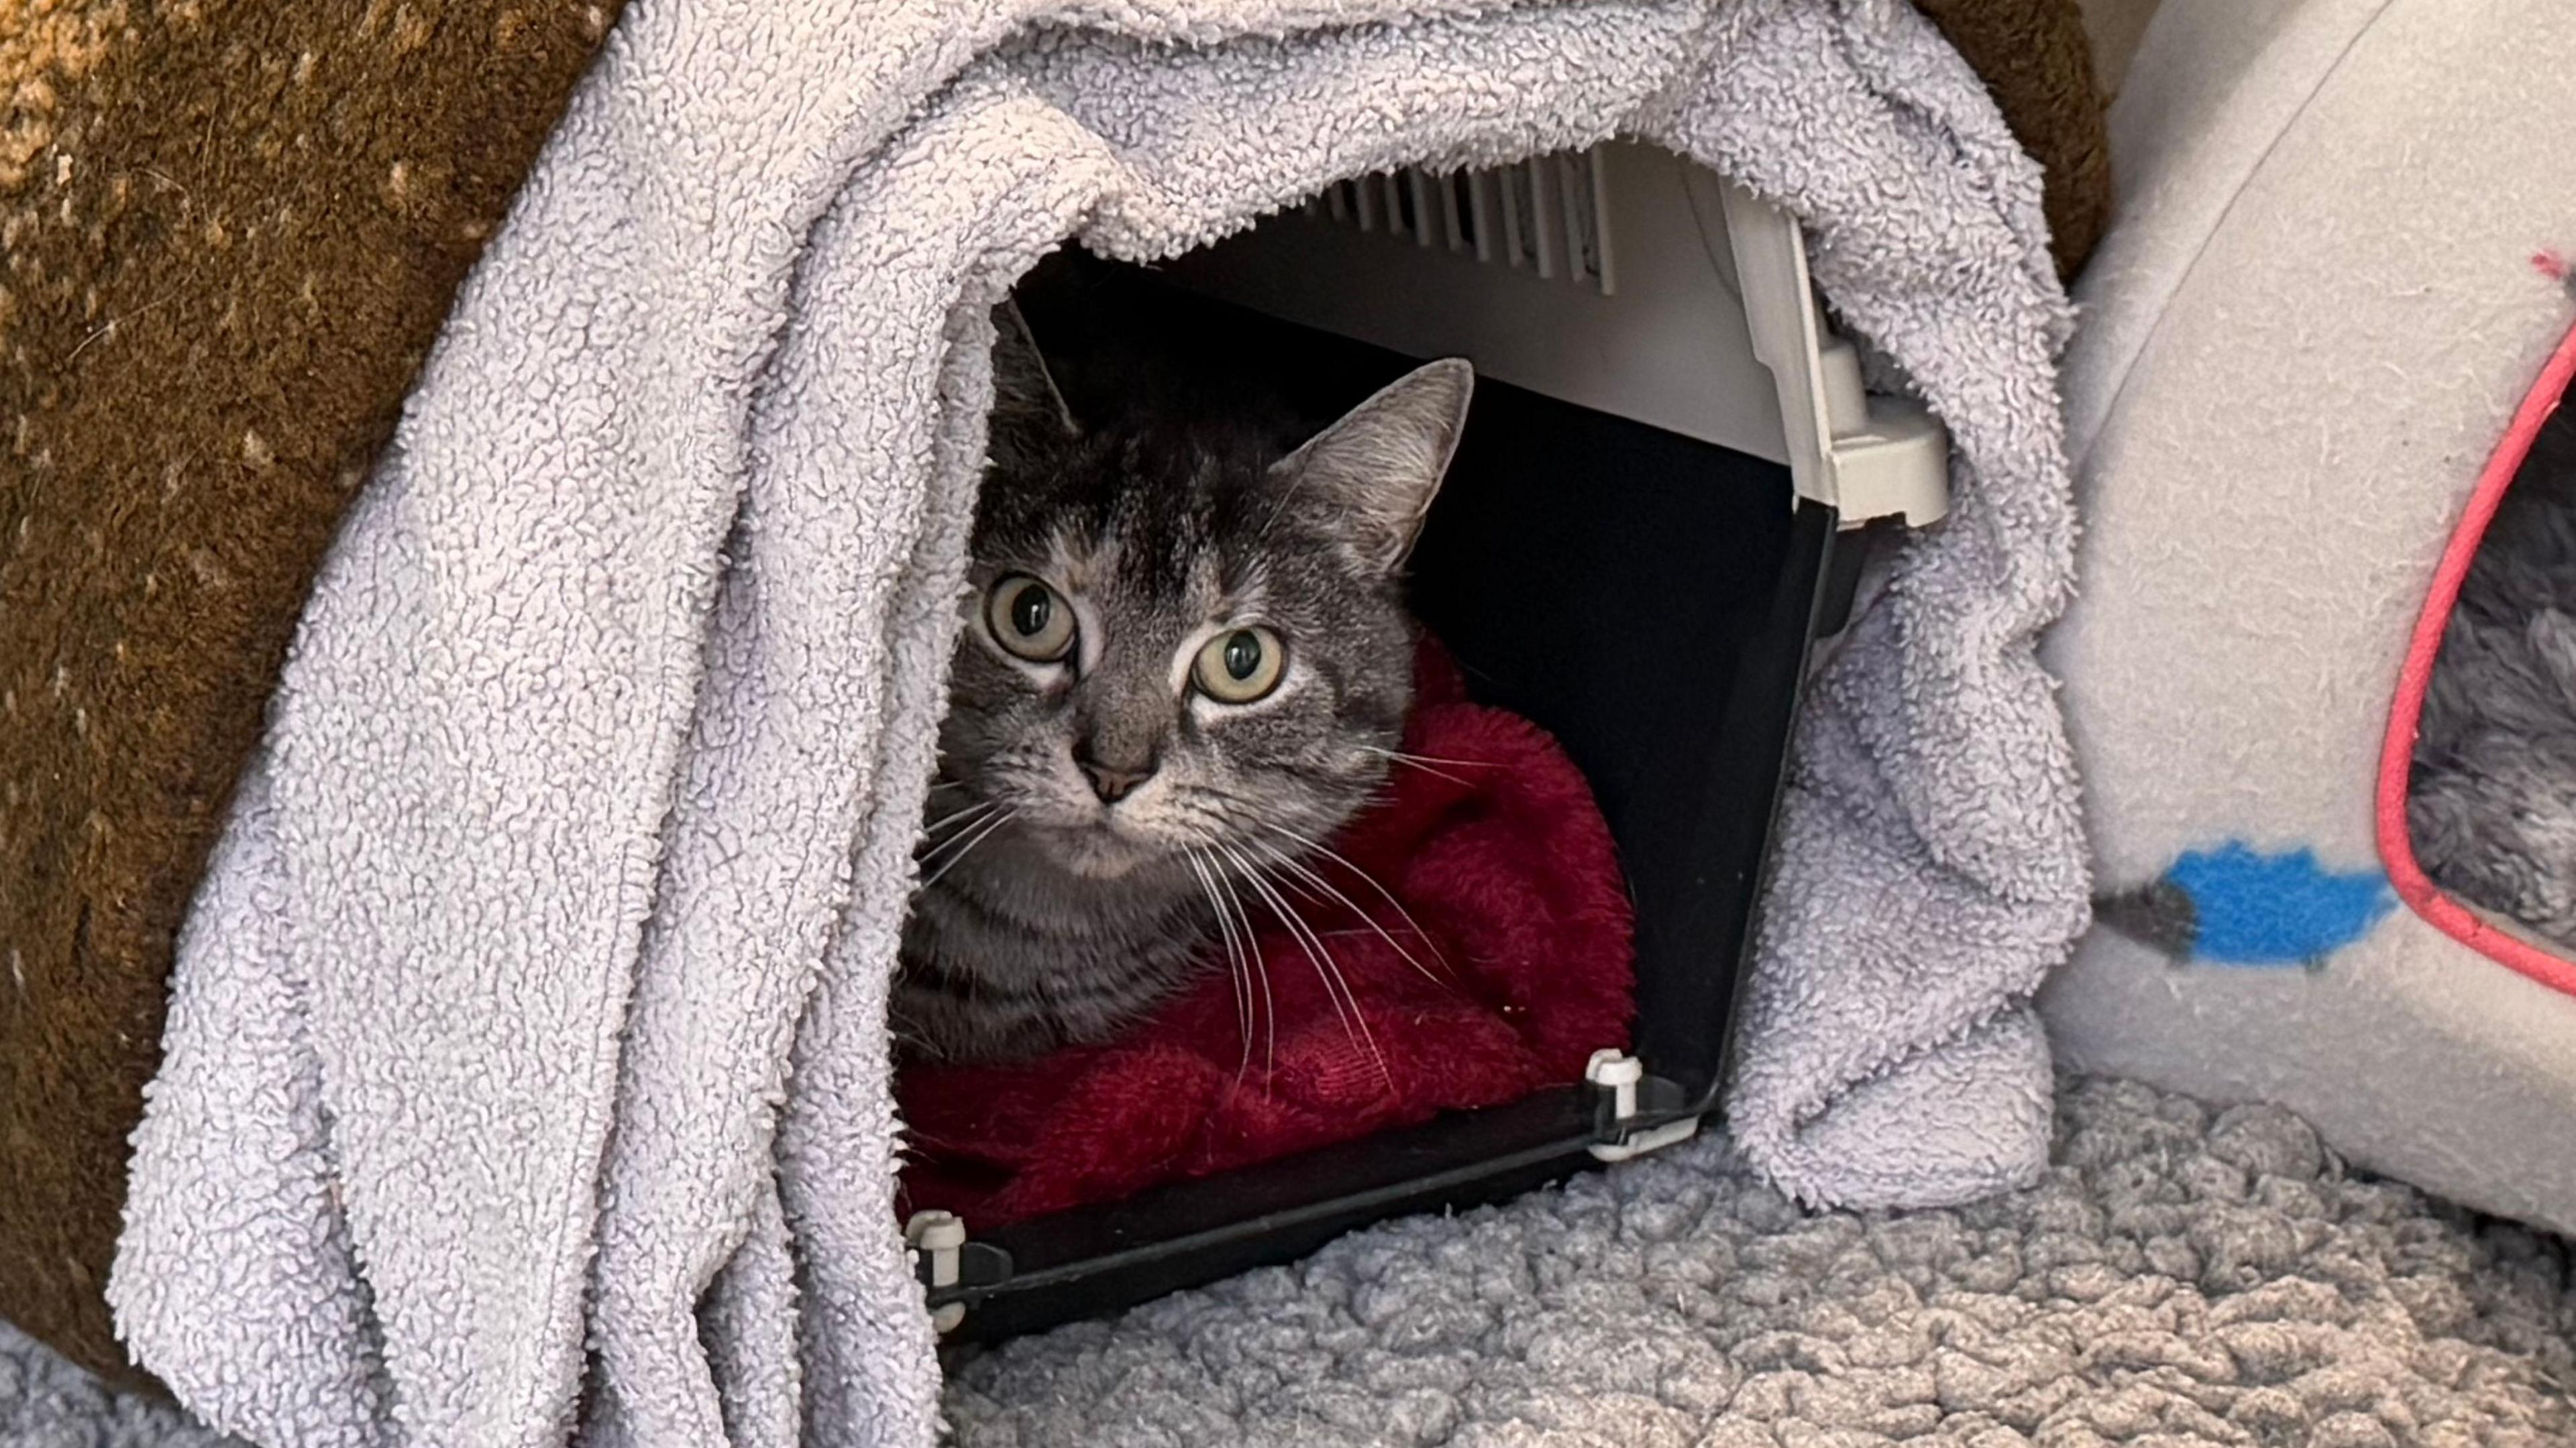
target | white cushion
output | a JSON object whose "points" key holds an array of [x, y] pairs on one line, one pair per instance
{"points": [[2310, 325]]}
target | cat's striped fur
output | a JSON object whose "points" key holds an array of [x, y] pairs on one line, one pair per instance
{"points": [[1095, 812]]}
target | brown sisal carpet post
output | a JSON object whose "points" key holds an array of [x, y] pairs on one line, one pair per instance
{"points": [[230, 229]]}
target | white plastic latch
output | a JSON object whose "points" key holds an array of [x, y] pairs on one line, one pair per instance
{"points": [[941, 1236], [1618, 1073], [1866, 457]]}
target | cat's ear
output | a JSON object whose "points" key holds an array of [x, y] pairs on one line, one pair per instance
{"points": [[1371, 476], [1028, 409]]}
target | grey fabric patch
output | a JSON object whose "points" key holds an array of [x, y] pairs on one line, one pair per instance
{"points": [[45, 1402]]}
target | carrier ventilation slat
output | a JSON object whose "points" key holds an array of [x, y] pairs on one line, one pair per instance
{"points": [[1544, 216], [1622, 279]]}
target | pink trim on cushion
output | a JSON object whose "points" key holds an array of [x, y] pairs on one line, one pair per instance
{"points": [[2396, 754]]}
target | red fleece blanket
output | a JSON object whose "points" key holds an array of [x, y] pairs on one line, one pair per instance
{"points": [[1481, 931]]}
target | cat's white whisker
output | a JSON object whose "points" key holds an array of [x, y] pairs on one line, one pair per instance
{"points": [[944, 821], [1300, 868], [1327, 852], [1260, 972], [1308, 942], [1303, 885], [1237, 974], [1424, 763], [1411, 758], [1337, 987], [981, 833]]}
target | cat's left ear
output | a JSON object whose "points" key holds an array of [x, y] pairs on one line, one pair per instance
{"points": [[1371, 476], [1029, 412]]}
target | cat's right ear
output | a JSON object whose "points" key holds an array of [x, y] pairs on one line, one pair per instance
{"points": [[1370, 477], [1028, 409]]}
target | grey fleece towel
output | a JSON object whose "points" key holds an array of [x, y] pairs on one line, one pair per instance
{"points": [[526, 1071]]}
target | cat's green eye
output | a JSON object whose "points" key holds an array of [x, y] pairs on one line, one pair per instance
{"points": [[1239, 665], [1029, 619]]}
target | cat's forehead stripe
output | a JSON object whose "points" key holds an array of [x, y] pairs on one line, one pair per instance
{"points": [[1217, 588], [1081, 563]]}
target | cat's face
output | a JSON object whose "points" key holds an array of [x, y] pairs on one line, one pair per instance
{"points": [[1180, 644]]}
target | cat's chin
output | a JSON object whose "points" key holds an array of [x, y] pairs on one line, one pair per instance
{"points": [[1094, 852]]}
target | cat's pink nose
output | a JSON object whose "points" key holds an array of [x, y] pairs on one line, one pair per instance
{"points": [[1112, 785], [1111, 782]]}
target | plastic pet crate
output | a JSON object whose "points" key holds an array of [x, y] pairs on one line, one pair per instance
{"points": [[1670, 458]]}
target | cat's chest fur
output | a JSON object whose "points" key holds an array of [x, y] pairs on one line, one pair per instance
{"points": [[1010, 955]]}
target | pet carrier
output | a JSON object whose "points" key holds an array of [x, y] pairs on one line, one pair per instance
{"points": [[1669, 443]]}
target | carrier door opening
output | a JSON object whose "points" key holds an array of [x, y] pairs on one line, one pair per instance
{"points": [[1638, 597]]}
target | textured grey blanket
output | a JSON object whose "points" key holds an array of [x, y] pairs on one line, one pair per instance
{"points": [[526, 1063], [2181, 1276]]}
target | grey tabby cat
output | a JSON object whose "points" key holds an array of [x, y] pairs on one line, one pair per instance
{"points": [[1185, 663]]}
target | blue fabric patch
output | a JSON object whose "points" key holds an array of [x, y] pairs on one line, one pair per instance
{"points": [[2285, 909]]}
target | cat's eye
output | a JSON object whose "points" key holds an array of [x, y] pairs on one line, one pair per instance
{"points": [[1239, 665], [1029, 619]]}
